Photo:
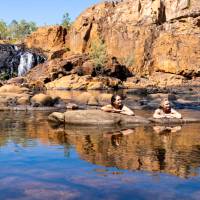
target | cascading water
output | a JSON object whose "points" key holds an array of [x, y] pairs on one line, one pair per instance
{"points": [[26, 63], [14, 60]]}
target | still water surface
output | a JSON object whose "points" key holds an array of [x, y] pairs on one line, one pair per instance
{"points": [[41, 162]]}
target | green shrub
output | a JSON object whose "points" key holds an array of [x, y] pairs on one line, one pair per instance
{"points": [[66, 21], [128, 61], [16, 30], [3, 30], [98, 53]]}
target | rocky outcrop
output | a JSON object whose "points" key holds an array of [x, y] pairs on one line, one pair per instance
{"points": [[77, 72], [51, 40], [12, 95], [157, 40], [159, 35], [56, 68]]}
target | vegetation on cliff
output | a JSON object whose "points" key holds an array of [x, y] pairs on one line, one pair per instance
{"points": [[16, 29], [98, 53], [66, 21]]}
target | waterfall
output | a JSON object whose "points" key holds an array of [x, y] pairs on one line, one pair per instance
{"points": [[26, 63], [17, 60]]}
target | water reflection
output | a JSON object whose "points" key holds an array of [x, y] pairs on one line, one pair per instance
{"points": [[166, 129], [116, 136], [172, 150], [41, 162]]}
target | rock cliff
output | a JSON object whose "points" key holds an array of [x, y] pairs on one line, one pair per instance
{"points": [[147, 36], [159, 35]]}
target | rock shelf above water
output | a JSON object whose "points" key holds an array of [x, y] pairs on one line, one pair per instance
{"points": [[95, 118], [98, 117]]}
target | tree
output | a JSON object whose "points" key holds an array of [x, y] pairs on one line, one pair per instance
{"points": [[25, 28], [3, 30], [12, 27], [21, 29], [66, 21], [98, 53]]}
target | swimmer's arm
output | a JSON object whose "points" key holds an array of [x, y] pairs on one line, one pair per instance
{"points": [[157, 114], [107, 108], [175, 114], [127, 111]]}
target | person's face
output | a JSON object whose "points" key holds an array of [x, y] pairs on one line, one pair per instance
{"points": [[118, 101], [166, 105]]}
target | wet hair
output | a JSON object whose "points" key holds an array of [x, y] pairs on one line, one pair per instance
{"points": [[162, 102], [113, 98]]}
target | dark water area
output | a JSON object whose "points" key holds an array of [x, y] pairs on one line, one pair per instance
{"points": [[38, 161]]}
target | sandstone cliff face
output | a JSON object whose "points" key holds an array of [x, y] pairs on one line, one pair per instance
{"points": [[157, 35], [49, 39]]}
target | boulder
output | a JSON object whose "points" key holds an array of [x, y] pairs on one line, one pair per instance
{"points": [[96, 118], [86, 69], [23, 100], [90, 117], [56, 117], [13, 89], [42, 100]]}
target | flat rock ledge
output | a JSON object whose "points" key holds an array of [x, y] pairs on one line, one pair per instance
{"points": [[98, 117], [95, 118], [165, 121]]}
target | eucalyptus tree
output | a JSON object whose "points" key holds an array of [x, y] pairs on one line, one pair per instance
{"points": [[3, 30]]}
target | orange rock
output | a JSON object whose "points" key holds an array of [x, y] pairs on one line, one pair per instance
{"points": [[49, 39], [146, 36], [13, 89], [143, 31], [42, 100]]}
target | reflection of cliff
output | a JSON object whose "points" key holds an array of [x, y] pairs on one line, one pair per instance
{"points": [[174, 153], [23, 127], [177, 153]]}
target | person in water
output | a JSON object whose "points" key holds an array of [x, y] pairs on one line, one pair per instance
{"points": [[116, 106], [165, 111]]}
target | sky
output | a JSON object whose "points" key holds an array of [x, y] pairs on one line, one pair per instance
{"points": [[42, 12]]}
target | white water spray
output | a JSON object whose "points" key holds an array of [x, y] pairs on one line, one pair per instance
{"points": [[26, 63]]}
